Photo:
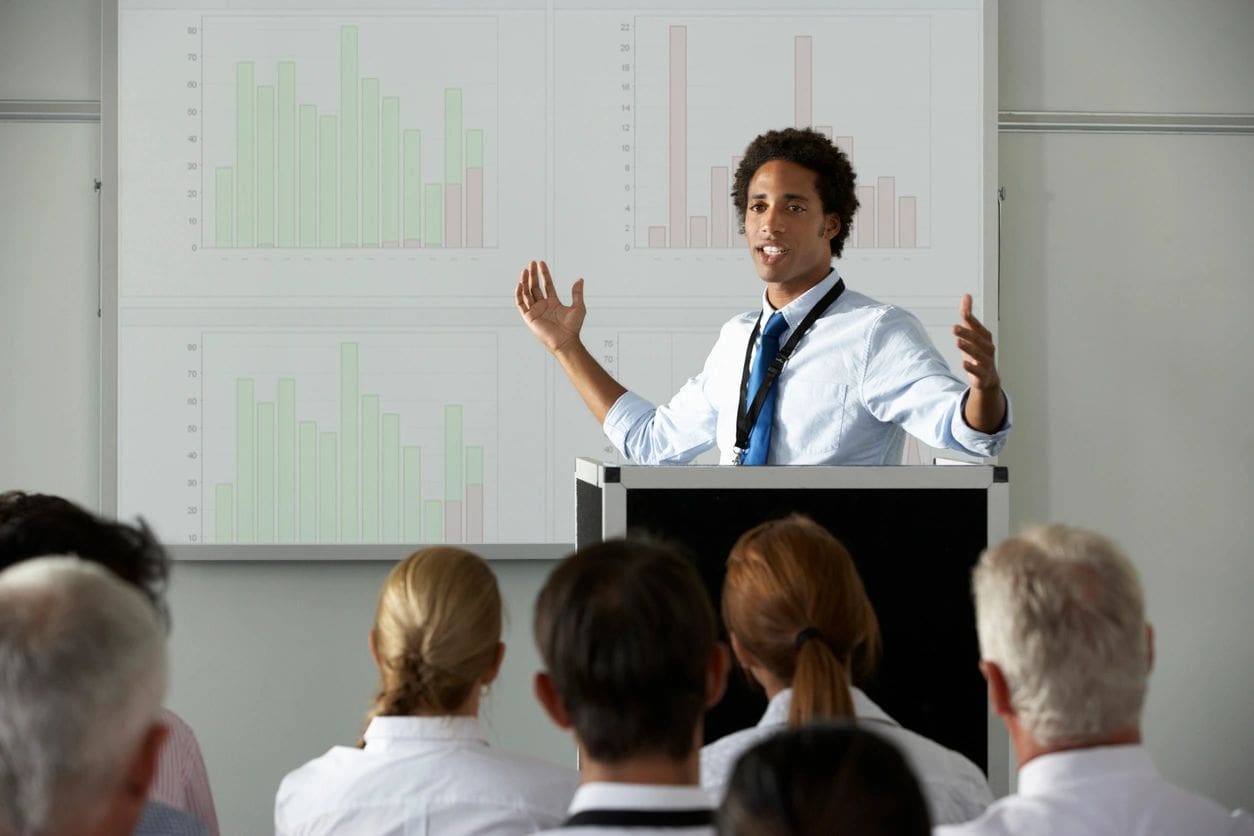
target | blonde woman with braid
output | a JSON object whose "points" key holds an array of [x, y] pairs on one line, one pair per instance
{"points": [[424, 764], [802, 627]]}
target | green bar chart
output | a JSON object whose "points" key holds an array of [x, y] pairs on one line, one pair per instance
{"points": [[332, 461], [348, 162]]}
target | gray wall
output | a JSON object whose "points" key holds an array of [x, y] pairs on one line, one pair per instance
{"points": [[1125, 292], [1126, 296]]}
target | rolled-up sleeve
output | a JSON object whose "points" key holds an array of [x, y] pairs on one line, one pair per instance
{"points": [[674, 433], [629, 410], [974, 441], [907, 382]]}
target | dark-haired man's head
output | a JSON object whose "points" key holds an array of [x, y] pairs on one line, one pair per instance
{"points": [[821, 779], [631, 654], [833, 175], [34, 525]]}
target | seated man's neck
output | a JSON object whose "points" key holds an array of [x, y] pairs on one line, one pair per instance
{"points": [[656, 769], [1028, 748]]}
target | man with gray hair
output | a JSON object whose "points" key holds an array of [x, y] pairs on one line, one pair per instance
{"points": [[1067, 652], [82, 676]]}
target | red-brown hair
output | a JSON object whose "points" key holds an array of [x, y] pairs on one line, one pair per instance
{"points": [[790, 575]]}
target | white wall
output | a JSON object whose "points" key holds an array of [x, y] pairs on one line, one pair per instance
{"points": [[1126, 296], [1126, 300], [1125, 289], [49, 331]]}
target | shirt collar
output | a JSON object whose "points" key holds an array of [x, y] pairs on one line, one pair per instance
{"points": [[388, 732], [865, 709], [605, 795], [776, 713], [1078, 766], [796, 310]]}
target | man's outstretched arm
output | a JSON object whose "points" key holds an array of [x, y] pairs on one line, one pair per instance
{"points": [[557, 326]]}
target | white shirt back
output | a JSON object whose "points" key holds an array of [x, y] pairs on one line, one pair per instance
{"points": [[1102, 791], [955, 788], [422, 775]]}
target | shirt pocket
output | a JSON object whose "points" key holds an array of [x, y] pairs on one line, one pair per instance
{"points": [[810, 419]]}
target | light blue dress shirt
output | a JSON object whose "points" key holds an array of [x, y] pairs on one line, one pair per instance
{"points": [[861, 378]]}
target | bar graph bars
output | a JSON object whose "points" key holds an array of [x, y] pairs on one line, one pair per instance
{"points": [[304, 176], [885, 220], [297, 481]]}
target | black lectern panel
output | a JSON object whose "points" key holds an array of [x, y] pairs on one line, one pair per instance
{"points": [[914, 550]]}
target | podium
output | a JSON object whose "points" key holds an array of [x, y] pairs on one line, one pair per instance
{"points": [[914, 532]]}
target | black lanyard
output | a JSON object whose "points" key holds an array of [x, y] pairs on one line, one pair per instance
{"points": [[745, 419], [641, 818]]}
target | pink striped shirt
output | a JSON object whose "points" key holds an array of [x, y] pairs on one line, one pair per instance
{"points": [[181, 780]]}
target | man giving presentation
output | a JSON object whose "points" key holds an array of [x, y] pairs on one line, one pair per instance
{"points": [[820, 374]]}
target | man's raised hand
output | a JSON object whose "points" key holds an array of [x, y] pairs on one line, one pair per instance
{"points": [[986, 405], [976, 344], [554, 324], [557, 326]]}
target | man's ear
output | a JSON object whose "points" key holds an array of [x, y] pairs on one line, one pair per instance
{"points": [[1149, 645], [551, 701], [142, 770], [998, 690], [125, 805], [716, 674], [831, 226]]}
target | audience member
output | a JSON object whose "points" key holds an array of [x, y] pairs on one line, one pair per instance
{"points": [[632, 661], [82, 676], [1067, 653], [821, 779], [801, 626], [32, 525], [424, 763]]}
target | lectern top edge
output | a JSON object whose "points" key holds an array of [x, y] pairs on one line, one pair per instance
{"points": [[888, 477]]}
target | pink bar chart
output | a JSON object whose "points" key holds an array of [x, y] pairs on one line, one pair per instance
{"points": [[888, 217]]}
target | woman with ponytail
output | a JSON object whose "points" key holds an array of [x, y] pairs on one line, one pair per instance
{"points": [[423, 764], [802, 627]]}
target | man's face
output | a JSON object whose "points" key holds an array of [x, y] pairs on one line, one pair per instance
{"points": [[787, 231]]}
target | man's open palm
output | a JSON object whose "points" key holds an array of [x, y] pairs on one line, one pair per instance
{"points": [[552, 322]]}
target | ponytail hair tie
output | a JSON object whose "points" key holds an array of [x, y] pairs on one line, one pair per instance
{"points": [[805, 635]]}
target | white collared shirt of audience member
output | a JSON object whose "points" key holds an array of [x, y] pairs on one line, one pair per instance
{"points": [[955, 788], [423, 775], [651, 798], [1098, 791]]}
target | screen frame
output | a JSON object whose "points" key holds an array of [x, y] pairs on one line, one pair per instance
{"points": [[109, 313]]}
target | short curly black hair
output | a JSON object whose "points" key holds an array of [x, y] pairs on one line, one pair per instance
{"points": [[35, 525], [835, 180]]}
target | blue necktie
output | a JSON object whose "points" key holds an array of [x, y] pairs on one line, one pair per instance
{"points": [[768, 347]]}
